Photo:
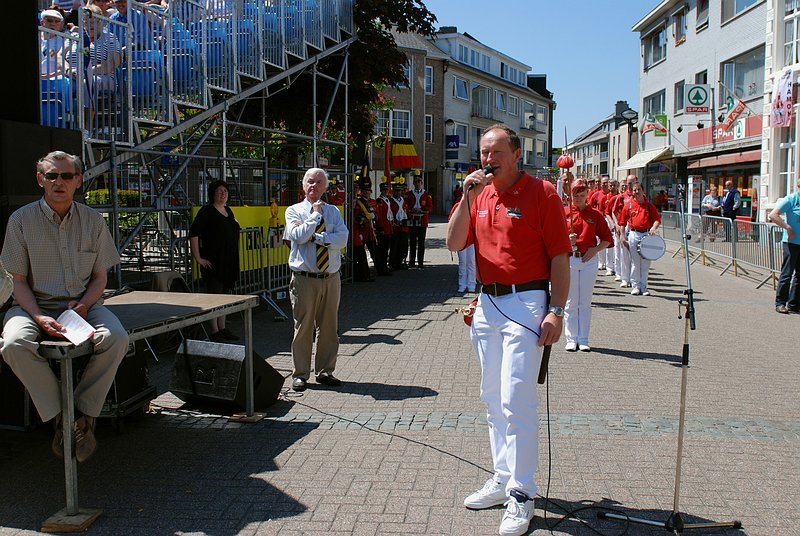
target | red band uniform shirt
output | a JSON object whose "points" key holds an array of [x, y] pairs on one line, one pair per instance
{"points": [[591, 227], [517, 233], [639, 218], [420, 204]]}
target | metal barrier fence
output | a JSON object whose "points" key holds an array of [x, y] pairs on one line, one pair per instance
{"points": [[741, 244]]}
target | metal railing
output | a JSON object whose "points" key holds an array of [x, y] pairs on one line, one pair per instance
{"points": [[141, 63], [742, 245]]}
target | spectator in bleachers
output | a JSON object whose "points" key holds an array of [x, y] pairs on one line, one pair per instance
{"points": [[71, 10], [106, 6], [54, 48], [142, 37], [101, 58]]}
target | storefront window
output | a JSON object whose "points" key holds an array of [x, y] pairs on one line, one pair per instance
{"points": [[745, 179]]}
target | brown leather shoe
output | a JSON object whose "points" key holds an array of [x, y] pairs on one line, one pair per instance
{"points": [[58, 439], [85, 442]]}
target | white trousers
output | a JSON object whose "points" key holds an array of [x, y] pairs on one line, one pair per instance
{"points": [[578, 312], [640, 265], [510, 357], [466, 268], [624, 261]]}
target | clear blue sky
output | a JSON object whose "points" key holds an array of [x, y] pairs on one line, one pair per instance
{"points": [[585, 47]]}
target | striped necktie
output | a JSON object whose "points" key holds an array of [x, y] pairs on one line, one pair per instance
{"points": [[322, 251]]}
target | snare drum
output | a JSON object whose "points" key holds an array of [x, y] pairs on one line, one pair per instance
{"points": [[651, 247]]}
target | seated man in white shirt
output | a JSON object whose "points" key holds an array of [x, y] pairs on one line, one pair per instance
{"points": [[317, 233]]}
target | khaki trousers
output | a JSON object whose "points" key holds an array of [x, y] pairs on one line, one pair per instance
{"points": [[315, 308], [20, 349]]}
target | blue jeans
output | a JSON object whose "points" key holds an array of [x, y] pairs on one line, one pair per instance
{"points": [[787, 288]]}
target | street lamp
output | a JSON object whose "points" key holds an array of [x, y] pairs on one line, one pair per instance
{"points": [[630, 116]]}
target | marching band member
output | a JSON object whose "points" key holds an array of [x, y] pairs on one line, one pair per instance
{"points": [[384, 222], [622, 201], [466, 261], [612, 255], [421, 204], [521, 245], [643, 218], [597, 202], [591, 235], [363, 232], [399, 249]]}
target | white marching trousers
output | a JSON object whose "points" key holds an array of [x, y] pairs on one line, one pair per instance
{"points": [[578, 312], [624, 261], [510, 356], [640, 265], [466, 268]]}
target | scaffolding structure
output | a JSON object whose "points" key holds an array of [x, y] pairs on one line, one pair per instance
{"points": [[177, 113]]}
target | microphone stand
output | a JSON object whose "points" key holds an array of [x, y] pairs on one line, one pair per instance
{"points": [[674, 522]]}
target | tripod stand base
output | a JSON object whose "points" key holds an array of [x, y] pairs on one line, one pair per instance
{"points": [[673, 524]]}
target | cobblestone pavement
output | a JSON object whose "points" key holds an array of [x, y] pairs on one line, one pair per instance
{"points": [[399, 445]]}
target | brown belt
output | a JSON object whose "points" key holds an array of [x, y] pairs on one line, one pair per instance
{"points": [[317, 275], [497, 289]]}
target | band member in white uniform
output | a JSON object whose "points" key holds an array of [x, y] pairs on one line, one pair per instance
{"points": [[589, 235], [642, 217]]}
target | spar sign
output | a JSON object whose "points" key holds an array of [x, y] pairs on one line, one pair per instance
{"points": [[697, 99]]}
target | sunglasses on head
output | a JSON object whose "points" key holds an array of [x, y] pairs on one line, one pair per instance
{"points": [[53, 176]]}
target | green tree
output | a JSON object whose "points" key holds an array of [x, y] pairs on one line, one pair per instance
{"points": [[375, 62]]}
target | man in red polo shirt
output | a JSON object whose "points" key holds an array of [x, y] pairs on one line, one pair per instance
{"points": [[521, 244], [642, 218], [598, 201]]}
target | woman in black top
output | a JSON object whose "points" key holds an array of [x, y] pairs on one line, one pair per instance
{"points": [[214, 237]]}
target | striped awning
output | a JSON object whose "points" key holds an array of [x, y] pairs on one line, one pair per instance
{"points": [[404, 154]]}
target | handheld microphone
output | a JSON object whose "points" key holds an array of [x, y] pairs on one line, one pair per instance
{"points": [[486, 171]]}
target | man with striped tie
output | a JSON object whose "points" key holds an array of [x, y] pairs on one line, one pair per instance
{"points": [[317, 233]]}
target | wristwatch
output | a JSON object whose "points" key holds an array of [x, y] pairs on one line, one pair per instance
{"points": [[558, 311]]}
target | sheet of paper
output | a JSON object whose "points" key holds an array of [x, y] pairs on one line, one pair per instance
{"points": [[77, 329]]}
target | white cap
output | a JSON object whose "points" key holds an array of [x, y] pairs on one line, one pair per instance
{"points": [[52, 13]]}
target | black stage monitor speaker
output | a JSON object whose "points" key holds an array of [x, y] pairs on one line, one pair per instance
{"points": [[213, 372]]}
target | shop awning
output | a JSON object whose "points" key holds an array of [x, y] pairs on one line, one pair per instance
{"points": [[404, 154], [726, 159], [642, 158]]}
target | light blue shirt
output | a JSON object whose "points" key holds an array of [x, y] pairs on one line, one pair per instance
{"points": [[301, 226], [789, 206]]}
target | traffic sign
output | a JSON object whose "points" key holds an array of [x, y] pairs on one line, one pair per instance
{"points": [[697, 99]]}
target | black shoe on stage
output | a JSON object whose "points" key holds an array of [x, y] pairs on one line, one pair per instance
{"points": [[329, 379]]}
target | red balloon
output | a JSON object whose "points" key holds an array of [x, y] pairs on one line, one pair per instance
{"points": [[565, 161]]}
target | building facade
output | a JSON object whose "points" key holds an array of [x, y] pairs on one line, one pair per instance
{"points": [[483, 86], [598, 150], [718, 47], [417, 115], [779, 163]]}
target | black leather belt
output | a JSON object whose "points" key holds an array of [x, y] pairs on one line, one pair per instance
{"points": [[496, 289], [642, 231], [576, 254], [317, 275]]}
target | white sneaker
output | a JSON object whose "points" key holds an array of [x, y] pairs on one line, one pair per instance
{"points": [[571, 347], [517, 518], [636, 292], [492, 493], [646, 293], [601, 266], [609, 272], [617, 278], [624, 284], [584, 348]]}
